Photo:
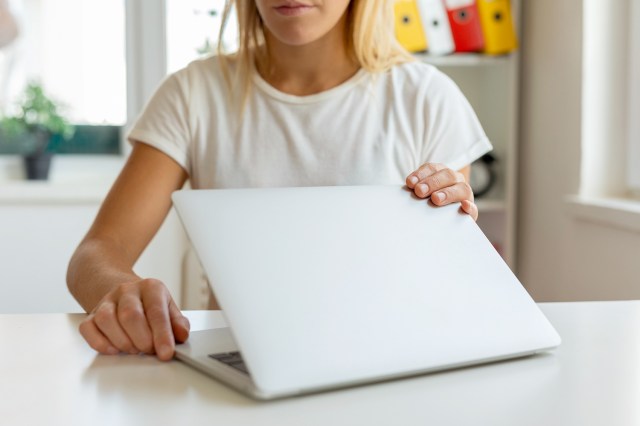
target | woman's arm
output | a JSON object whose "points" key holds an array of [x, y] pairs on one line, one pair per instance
{"points": [[126, 312], [444, 186]]}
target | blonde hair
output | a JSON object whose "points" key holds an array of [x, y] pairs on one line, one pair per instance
{"points": [[371, 40]]}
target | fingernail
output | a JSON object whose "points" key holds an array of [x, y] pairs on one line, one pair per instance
{"points": [[413, 180], [112, 351], [164, 352], [423, 188], [440, 196], [185, 323]]}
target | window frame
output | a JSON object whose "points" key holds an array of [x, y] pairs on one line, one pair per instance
{"points": [[609, 157], [633, 134], [146, 48], [146, 62], [108, 137]]}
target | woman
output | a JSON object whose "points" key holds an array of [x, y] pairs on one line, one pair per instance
{"points": [[318, 94]]}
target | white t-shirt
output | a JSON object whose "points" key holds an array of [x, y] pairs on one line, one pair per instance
{"points": [[372, 129]]}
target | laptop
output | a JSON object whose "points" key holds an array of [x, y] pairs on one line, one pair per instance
{"points": [[330, 287]]}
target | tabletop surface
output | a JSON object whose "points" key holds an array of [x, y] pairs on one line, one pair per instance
{"points": [[48, 375]]}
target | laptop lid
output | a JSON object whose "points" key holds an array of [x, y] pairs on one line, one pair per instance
{"points": [[327, 286]]}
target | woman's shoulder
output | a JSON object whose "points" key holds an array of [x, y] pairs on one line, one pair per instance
{"points": [[419, 80], [418, 74], [205, 70]]}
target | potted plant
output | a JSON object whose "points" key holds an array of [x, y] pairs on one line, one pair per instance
{"points": [[32, 127]]}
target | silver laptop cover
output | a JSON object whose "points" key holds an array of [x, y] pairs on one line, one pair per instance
{"points": [[328, 286]]}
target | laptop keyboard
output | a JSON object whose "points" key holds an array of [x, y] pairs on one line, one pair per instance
{"points": [[232, 359]]}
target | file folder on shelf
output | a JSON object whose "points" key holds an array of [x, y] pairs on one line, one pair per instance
{"points": [[408, 26], [465, 25], [497, 26], [435, 23]]}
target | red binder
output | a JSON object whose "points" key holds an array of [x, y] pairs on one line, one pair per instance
{"points": [[465, 25]]}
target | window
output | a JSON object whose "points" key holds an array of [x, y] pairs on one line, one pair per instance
{"points": [[104, 59], [203, 18], [157, 42], [76, 50], [611, 99]]}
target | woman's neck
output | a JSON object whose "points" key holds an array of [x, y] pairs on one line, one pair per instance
{"points": [[309, 69]]}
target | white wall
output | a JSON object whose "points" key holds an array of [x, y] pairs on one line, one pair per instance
{"points": [[561, 256], [40, 227]]}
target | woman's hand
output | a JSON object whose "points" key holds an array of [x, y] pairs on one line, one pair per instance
{"points": [[127, 313], [444, 186], [136, 317]]}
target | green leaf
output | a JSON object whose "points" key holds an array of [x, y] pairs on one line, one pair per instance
{"points": [[37, 113]]}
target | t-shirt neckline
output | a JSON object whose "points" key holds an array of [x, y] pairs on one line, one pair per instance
{"points": [[271, 91]]}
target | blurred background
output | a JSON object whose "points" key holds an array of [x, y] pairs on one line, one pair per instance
{"points": [[560, 194]]}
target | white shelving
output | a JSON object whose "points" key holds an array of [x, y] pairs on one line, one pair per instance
{"points": [[462, 59], [491, 83]]}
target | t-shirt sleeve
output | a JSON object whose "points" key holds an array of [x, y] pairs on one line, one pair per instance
{"points": [[164, 123], [454, 135]]}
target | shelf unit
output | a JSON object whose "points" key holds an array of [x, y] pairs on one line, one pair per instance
{"points": [[491, 84], [462, 59]]}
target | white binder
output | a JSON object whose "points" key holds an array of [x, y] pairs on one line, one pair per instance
{"points": [[436, 27]]}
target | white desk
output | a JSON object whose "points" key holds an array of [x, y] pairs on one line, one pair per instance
{"points": [[48, 376]]}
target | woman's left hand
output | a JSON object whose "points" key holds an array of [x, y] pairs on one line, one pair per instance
{"points": [[444, 186]]}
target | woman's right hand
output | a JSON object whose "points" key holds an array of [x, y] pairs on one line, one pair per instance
{"points": [[127, 313], [136, 317]]}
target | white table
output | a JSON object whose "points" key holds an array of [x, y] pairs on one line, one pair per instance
{"points": [[49, 376]]}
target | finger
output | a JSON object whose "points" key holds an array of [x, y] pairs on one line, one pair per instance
{"points": [[452, 194], [423, 171], [156, 307], [131, 316], [179, 323], [106, 321], [95, 338], [437, 181], [470, 208]]}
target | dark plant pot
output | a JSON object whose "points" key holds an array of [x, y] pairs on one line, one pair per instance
{"points": [[38, 165]]}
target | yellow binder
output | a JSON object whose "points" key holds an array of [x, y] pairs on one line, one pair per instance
{"points": [[408, 26], [497, 26]]}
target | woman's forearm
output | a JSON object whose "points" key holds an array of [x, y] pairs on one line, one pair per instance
{"points": [[97, 267]]}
